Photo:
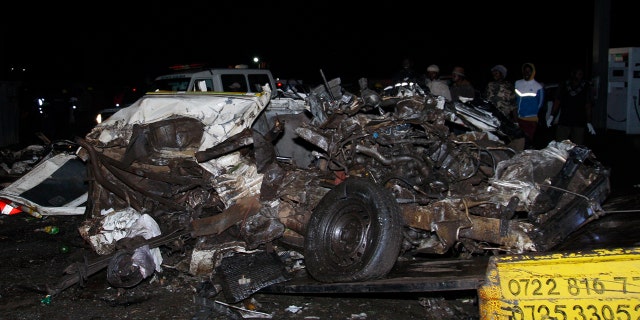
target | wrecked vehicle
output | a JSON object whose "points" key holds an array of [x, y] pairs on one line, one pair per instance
{"points": [[351, 182]]}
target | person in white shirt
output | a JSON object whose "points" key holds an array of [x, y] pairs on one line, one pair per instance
{"points": [[437, 87]]}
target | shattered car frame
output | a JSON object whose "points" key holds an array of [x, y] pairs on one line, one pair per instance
{"points": [[350, 181]]}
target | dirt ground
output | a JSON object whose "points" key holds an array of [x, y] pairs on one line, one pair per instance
{"points": [[32, 261]]}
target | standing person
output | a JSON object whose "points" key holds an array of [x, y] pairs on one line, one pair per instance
{"points": [[406, 74], [460, 86], [575, 100], [436, 86], [529, 100], [501, 92]]}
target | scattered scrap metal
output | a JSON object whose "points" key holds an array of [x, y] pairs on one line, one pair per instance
{"points": [[350, 181]]}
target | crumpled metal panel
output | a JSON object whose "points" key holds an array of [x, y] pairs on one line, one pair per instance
{"points": [[245, 274], [522, 174], [223, 115], [53, 187], [234, 176]]}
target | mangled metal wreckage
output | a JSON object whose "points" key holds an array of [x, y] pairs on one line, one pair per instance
{"points": [[352, 182]]}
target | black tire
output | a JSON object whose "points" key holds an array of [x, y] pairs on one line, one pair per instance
{"points": [[354, 233]]}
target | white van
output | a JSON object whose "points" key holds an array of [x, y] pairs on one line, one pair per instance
{"points": [[207, 80], [216, 80]]}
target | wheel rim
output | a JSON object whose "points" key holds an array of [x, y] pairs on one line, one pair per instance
{"points": [[348, 234]]}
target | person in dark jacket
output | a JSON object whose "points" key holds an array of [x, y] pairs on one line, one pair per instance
{"points": [[406, 74], [460, 86], [572, 108]]}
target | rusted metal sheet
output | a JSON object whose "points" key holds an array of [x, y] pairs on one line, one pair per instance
{"points": [[242, 209], [595, 284], [410, 276]]}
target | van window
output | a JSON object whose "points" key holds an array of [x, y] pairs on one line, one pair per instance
{"points": [[203, 84], [256, 81], [234, 82], [173, 84]]}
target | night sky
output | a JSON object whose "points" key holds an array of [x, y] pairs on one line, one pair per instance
{"points": [[110, 44]]}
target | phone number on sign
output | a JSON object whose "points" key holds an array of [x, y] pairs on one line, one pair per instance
{"points": [[570, 286], [606, 311]]}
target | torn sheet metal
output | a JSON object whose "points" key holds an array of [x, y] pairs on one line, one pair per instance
{"points": [[146, 133], [125, 268], [205, 258], [116, 225], [21, 161], [56, 186], [223, 115], [243, 275], [522, 175]]}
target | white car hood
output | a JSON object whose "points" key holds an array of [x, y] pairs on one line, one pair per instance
{"points": [[224, 115]]}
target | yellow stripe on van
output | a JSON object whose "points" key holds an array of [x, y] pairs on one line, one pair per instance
{"points": [[598, 284]]}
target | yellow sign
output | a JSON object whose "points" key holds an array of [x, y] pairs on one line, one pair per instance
{"points": [[599, 284]]}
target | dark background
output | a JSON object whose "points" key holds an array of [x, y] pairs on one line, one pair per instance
{"points": [[97, 51], [118, 43]]}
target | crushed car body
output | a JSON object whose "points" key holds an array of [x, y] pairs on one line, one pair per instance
{"points": [[350, 181]]}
